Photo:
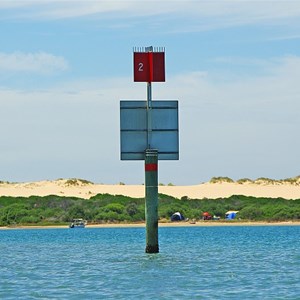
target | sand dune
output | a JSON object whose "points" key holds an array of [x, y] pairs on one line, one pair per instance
{"points": [[85, 189]]}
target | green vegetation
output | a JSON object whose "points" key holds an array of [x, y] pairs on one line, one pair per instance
{"points": [[293, 180], [221, 179], [75, 181], [261, 180], [105, 208], [244, 180]]}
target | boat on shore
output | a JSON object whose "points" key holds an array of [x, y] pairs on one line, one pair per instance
{"points": [[78, 223]]}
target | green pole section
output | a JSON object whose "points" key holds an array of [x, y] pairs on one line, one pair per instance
{"points": [[151, 201]]}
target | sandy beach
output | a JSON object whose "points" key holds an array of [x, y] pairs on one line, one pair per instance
{"points": [[165, 224], [84, 189]]}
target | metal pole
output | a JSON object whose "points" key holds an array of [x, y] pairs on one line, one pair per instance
{"points": [[149, 114], [151, 200], [149, 96], [151, 178]]}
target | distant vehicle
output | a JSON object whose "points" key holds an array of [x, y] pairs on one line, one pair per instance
{"points": [[78, 223]]}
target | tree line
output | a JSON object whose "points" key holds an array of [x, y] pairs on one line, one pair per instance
{"points": [[106, 208]]}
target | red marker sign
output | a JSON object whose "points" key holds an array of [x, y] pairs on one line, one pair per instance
{"points": [[150, 167], [149, 66]]}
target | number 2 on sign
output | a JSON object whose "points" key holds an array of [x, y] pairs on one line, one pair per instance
{"points": [[141, 67]]}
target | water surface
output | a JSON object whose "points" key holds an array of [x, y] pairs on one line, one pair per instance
{"points": [[241, 262]]}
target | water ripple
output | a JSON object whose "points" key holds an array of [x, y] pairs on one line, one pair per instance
{"points": [[193, 263]]}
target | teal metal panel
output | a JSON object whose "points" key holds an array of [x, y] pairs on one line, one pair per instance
{"points": [[164, 132]]}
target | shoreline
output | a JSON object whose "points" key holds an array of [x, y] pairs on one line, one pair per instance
{"points": [[167, 224]]}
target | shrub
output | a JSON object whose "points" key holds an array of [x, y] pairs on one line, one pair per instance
{"points": [[244, 180], [30, 220], [131, 209], [115, 207], [251, 213], [75, 181], [221, 179]]}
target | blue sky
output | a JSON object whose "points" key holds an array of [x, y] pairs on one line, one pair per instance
{"points": [[234, 66]]}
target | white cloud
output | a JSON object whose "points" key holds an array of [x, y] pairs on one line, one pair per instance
{"points": [[41, 62], [244, 127], [198, 15], [285, 37]]}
